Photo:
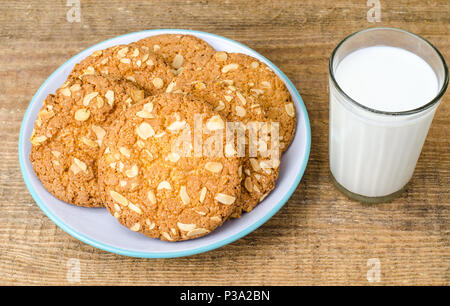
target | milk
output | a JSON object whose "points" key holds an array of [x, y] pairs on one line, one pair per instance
{"points": [[372, 154], [387, 78]]}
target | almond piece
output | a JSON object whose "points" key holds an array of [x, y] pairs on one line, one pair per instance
{"points": [[145, 130], [132, 172], [164, 185], [202, 194], [176, 126], [225, 198], [110, 97], [197, 232], [215, 123], [221, 56], [177, 61], [87, 98], [119, 198], [151, 197], [186, 227], [214, 167], [135, 227], [248, 184], [82, 114], [184, 196], [229, 67], [134, 208], [290, 109], [158, 83]]}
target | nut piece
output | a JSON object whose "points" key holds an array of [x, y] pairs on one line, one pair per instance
{"points": [[158, 83], [254, 65], [240, 111], [214, 167], [228, 98], [290, 109], [151, 225], [122, 52], [135, 227], [241, 97], [145, 130], [110, 97], [170, 86], [167, 236], [248, 184], [184, 196], [134, 208], [119, 198], [225, 198], [87, 98], [37, 140], [75, 87], [173, 157], [137, 95], [197, 231], [132, 172], [176, 126], [66, 92], [221, 56], [215, 123], [229, 67], [186, 227], [99, 132], [216, 218], [177, 61], [255, 164], [220, 107], [125, 152], [82, 114], [151, 197], [78, 166], [88, 142], [164, 185], [202, 194]]}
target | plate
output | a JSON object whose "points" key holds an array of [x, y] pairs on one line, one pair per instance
{"points": [[95, 226]]}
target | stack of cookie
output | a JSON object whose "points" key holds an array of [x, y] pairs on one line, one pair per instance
{"points": [[107, 136]]}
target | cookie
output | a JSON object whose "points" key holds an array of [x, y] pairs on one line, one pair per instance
{"points": [[253, 79], [69, 130], [232, 84], [133, 62], [181, 52], [152, 187]]}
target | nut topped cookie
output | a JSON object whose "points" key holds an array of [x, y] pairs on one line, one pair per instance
{"points": [[133, 62], [156, 179], [179, 51], [69, 130], [232, 84], [252, 86]]}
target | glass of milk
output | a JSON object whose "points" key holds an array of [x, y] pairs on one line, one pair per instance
{"points": [[385, 86]]}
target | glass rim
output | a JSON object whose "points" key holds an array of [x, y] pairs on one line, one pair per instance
{"points": [[427, 105]]}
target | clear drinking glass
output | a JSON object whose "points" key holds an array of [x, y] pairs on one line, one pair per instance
{"points": [[372, 152]]}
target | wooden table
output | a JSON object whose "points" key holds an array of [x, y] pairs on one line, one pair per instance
{"points": [[318, 237]]}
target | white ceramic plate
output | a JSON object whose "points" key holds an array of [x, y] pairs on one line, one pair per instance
{"points": [[98, 228]]}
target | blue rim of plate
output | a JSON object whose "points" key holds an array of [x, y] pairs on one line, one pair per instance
{"points": [[194, 251]]}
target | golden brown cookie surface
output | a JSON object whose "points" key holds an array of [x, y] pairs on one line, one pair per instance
{"points": [[152, 187], [246, 90], [69, 130], [180, 52], [133, 62]]}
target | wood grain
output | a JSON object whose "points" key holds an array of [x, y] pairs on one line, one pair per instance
{"points": [[319, 237]]}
